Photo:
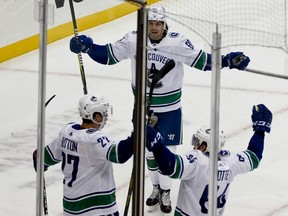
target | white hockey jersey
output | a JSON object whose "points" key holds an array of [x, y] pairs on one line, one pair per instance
{"points": [[167, 92], [86, 155], [193, 170]]}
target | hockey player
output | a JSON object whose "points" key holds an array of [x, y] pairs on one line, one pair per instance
{"points": [[166, 99], [193, 167], [87, 154]]}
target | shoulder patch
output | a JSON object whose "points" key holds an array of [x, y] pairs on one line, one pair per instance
{"points": [[189, 44], [91, 130], [224, 153], [173, 34], [191, 158]]}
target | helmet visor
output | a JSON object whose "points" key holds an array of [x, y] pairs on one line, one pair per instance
{"points": [[195, 141]]}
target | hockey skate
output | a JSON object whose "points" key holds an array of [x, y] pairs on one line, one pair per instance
{"points": [[165, 203], [153, 200]]}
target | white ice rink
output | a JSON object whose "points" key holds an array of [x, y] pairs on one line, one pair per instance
{"points": [[263, 192]]}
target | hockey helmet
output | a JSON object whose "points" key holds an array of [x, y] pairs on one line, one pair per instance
{"points": [[157, 13], [90, 104], [203, 135]]}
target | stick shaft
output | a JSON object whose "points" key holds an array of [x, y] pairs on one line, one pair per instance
{"points": [[266, 73], [45, 203], [80, 59]]}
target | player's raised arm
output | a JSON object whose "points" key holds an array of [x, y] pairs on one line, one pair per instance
{"points": [[261, 118], [164, 157], [85, 44]]}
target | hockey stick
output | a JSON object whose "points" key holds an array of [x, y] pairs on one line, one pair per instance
{"points": [[45, 204], [266, 73], [80, 60], [59, 3], [156, 78], [47, 102]]}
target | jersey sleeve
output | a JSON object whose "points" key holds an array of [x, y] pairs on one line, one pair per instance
{"points": [[241, 162], [185, 166], [190, 56], [122, 49], [105, 148], [53, 152]]}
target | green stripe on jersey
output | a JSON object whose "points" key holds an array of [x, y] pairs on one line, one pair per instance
{"points": [[112, 154], [48, 159], [164, 99], [111, 58], [76, 206], [201, 61], [254, 159], [152, 164], [177, 212], [178, 168]]}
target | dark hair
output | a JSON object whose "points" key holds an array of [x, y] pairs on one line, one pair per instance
{"points": [[166, 28], [88, 121]]}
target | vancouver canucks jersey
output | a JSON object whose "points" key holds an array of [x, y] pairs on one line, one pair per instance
{"points": [[193, 170], [167, 92], [86, 156]]}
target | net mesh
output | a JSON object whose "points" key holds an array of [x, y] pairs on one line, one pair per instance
{"points": [[245, 22]]}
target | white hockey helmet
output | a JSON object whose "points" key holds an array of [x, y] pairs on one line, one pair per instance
{"points": [[157, 13], [203, 135], [90, 104]]}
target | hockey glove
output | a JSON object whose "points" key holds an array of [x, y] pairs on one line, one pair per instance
{"points": [[261, 118], [154, 139], [235, 60], [152, 119], [81, 43], [35, 161]]}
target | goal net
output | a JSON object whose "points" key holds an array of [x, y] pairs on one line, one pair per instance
{"points": [[247, 22]]}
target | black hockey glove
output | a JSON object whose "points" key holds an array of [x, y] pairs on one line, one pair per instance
{"points": [[261, 118], [154, 139], [81, 43], [235, 60]]}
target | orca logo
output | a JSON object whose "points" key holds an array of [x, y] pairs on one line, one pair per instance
{"points": [[151, 72], [93, 98]]}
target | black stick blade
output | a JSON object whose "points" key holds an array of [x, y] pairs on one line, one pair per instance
{"points": [[47, 102], [59, 3]]}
